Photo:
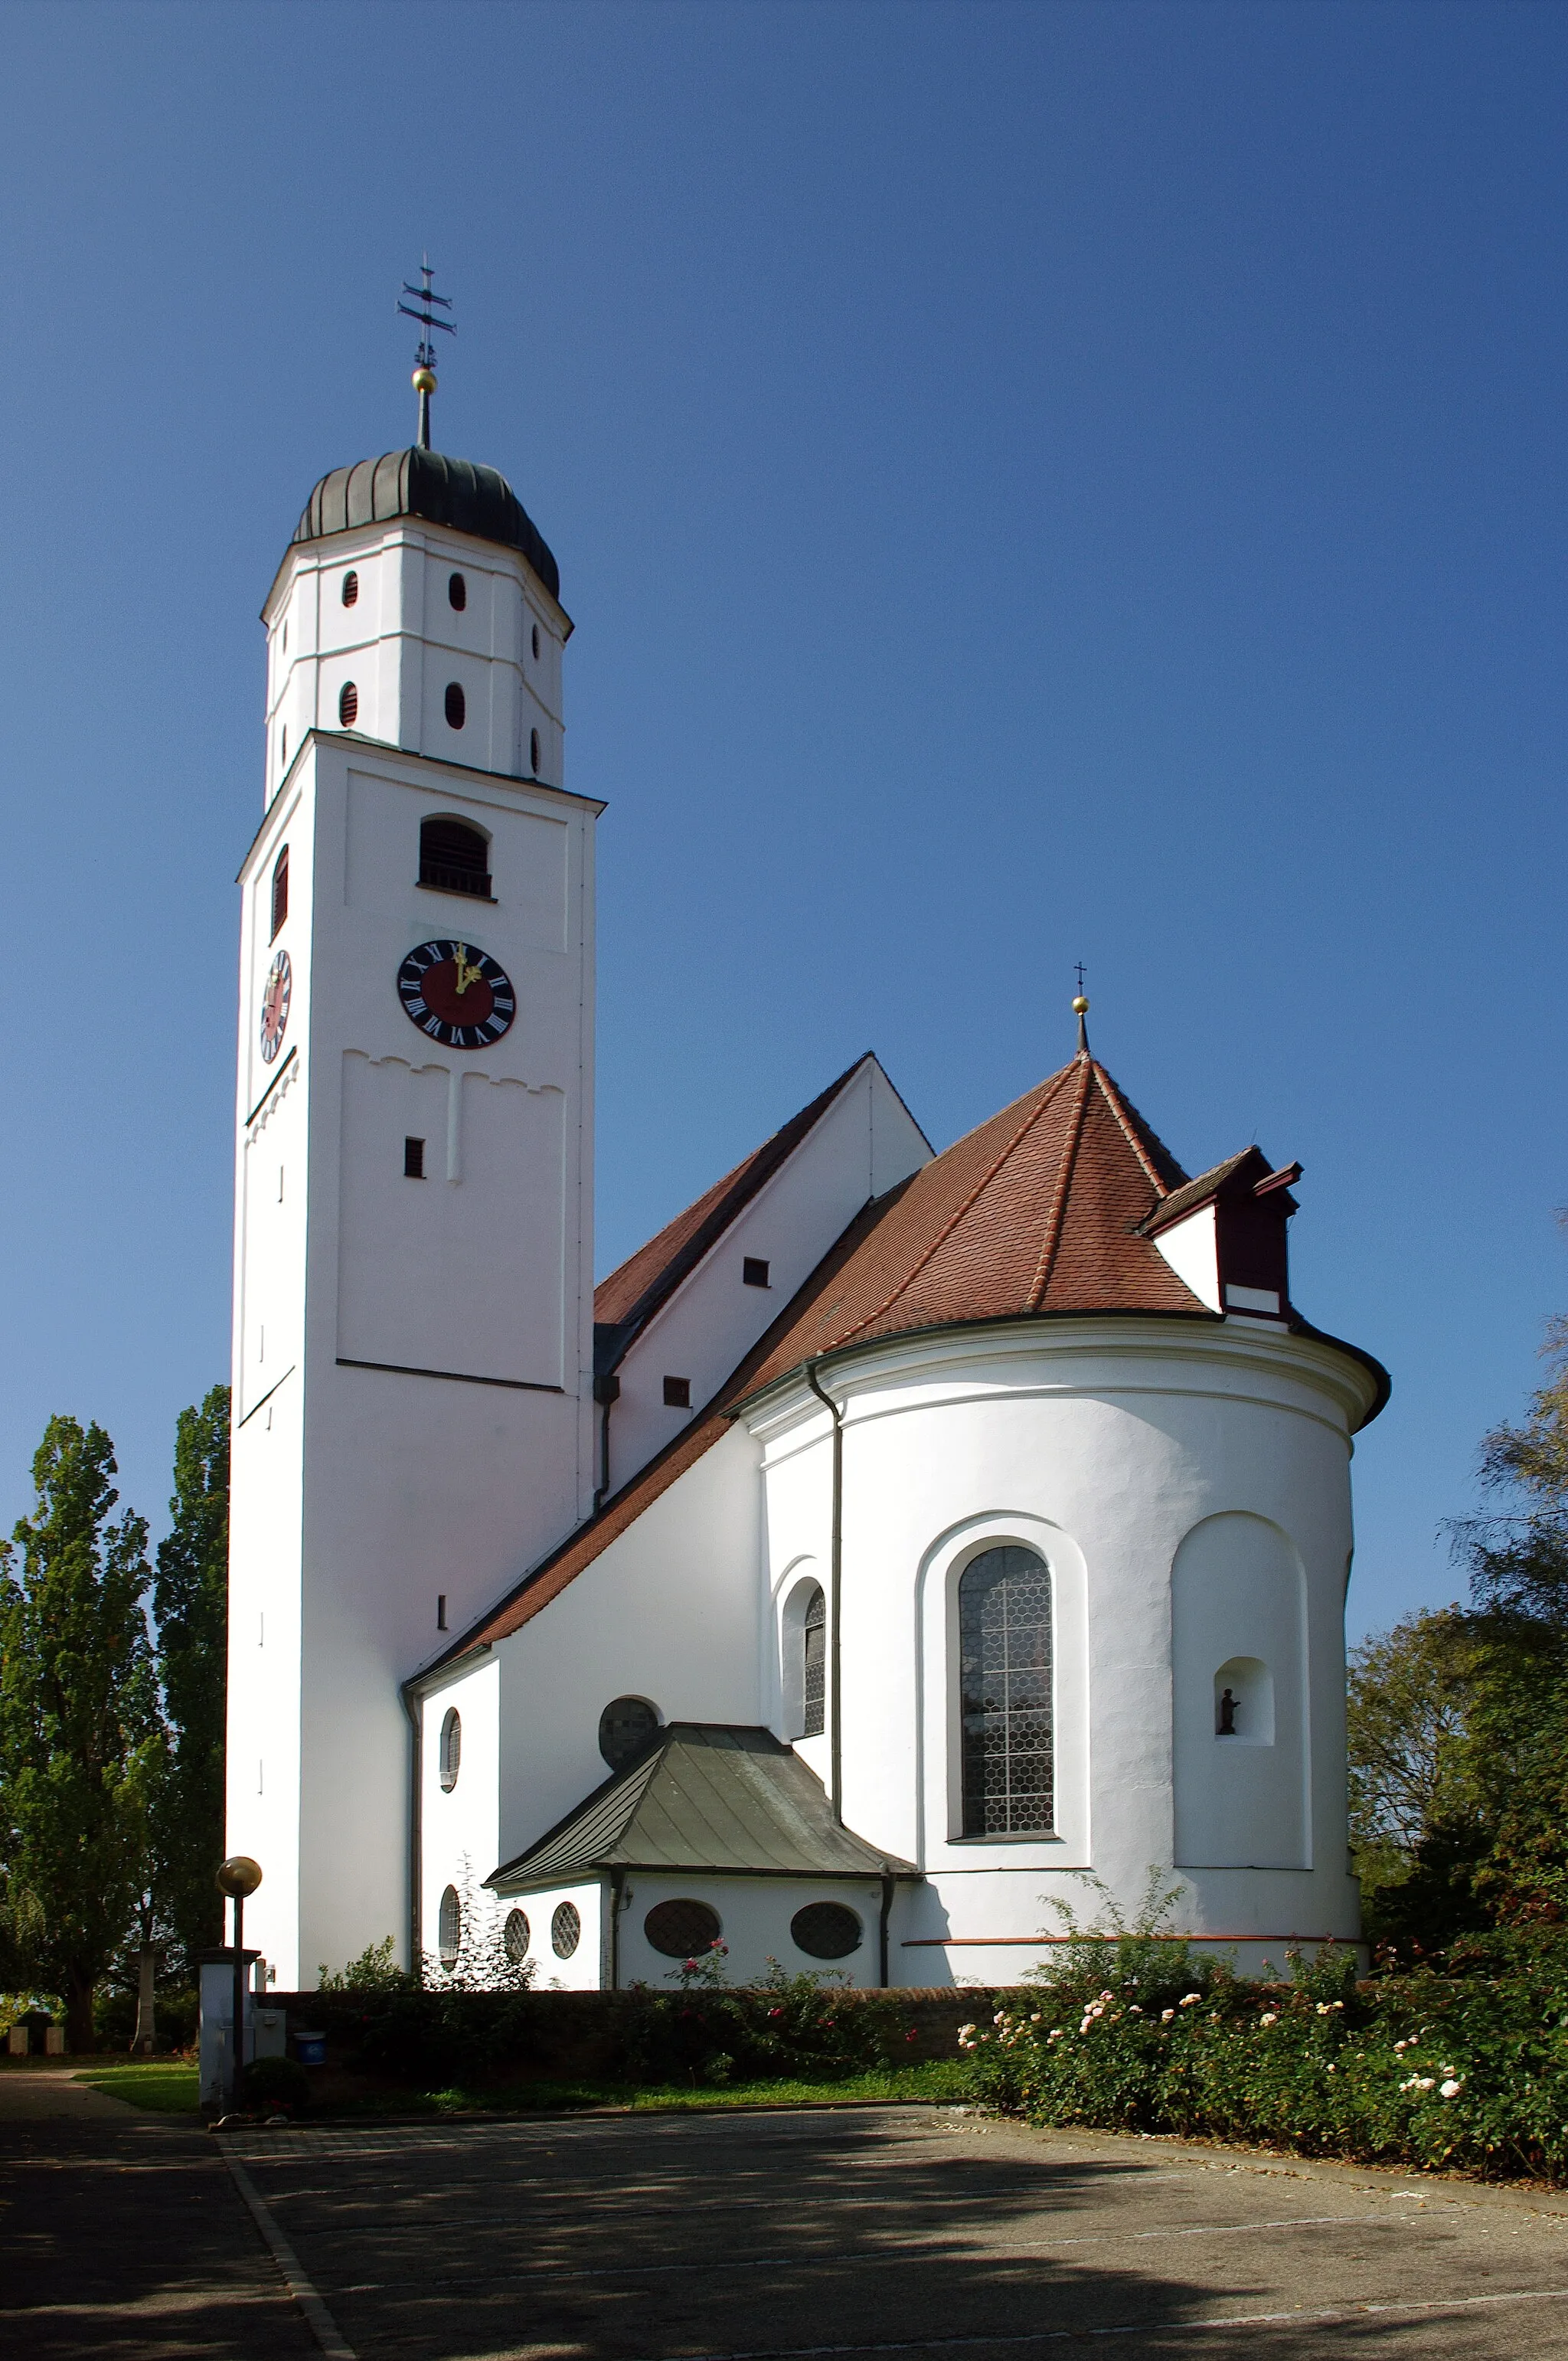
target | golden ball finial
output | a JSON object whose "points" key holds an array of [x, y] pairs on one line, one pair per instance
{"points": [[1080, 1007], [424, 381]]}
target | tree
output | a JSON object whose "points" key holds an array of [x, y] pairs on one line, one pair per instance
{"points": [[78, 1720], [189, 1605], [1414, 1825]]}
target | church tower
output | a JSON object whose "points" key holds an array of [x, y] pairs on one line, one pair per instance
{"points": [[413, 1306]]}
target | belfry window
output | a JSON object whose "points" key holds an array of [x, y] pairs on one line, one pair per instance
{"points": [[280, 890], [454, 857], [814, 1666], [1005, 1641]]}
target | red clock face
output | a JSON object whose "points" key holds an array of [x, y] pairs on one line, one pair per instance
{"points": [[275, 1006], [456, 994]]}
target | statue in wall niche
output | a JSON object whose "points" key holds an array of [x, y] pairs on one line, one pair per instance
{"points": [[1226, 1726]]}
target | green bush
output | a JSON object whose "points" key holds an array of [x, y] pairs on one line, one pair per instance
{"points": [[281, 2085], [1459, 2062], [114, 2018], [785, 2027]]}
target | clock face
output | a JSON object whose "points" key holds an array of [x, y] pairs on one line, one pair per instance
{"points": [[456, 994], [275, 1006]]}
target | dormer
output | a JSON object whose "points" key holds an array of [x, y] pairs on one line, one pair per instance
{"points": [[1225, 1236], [419, 606]]}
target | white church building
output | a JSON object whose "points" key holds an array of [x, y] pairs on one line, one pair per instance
{"points": [[893, 1540]]}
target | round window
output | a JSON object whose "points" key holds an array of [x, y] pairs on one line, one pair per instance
{"points": [[534, 752], [515, 1937], [348, 704], [451, 1748], [627, 1727], [450, 1927], [457, 591], [350, 589], [456, 705], [565, 1930], [825, 1931], [681, 1929]]}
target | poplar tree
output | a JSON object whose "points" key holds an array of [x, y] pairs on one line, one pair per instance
{"points": [[189, 1605], [79, 1721]]}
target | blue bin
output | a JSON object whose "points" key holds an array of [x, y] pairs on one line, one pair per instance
{"points": [[310, 2049]]}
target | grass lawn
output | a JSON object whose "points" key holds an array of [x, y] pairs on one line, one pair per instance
{"points": [[168, 2087], [165, 2084]]}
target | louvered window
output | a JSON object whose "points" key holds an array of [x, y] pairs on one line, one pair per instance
{"points": [[457, 591], [350, 589], [1004, 1623], [348, 704], [280, 890], [814, 1670], [454, 857]]}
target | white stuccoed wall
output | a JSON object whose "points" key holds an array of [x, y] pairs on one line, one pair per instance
{"points": [[359, 1495], [1102, 1445], [864, 1144]]}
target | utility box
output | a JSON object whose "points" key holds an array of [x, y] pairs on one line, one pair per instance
{"points": [[215, 2050]]}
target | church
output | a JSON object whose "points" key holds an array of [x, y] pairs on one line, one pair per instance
{"points": [[898, 1546]]}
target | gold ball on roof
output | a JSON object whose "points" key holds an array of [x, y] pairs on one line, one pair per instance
{"points": [[424, 381], [1080, 1007]]}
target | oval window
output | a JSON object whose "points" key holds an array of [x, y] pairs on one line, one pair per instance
{"points": [[350, 589], [627, 1727], [681, 1930], [451, 1748], [348, 704], [450, 1927], [565, 1930], [457, 591], [536, 643], [456, 705], [825, 1931], [534, 752], [515, 1937]]}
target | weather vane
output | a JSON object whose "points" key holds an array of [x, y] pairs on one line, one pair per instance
{"points": [[1080, 1010], [425, 360]]}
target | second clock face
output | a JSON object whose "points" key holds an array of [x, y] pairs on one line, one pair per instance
{"points": [[456, 994]]}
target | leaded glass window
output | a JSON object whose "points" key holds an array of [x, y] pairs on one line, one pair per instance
{"points": [[1004, 1637], [814, 1684]]}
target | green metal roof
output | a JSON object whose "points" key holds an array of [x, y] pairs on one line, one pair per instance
{"points": [[711, 1796], [456, 492]]}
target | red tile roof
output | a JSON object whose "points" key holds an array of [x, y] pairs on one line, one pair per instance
{"points": [[1036, 1214]]}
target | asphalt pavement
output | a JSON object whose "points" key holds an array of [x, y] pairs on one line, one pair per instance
{"points": [[751, 2237]]}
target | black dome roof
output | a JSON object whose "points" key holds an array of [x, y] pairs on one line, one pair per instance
{"points": [[427, 484]]}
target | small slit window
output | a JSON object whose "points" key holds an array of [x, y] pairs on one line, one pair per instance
{"points": [[534, 752], [565, 1929], [814, 1666], [753, 1271], [457, 591], [456, 705], [280, 890], [515, 1937], [536, 643], [348, 704], [350, 589], [413, 1159], [449, 1927], [454, 857], [677, 1393], [451, 1749], [681, 1930]]}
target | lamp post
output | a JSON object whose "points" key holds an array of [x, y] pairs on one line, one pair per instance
{"points": [[239, 1876]]}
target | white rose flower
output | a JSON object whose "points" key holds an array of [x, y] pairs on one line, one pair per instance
{"points": [[1451, 2088]]}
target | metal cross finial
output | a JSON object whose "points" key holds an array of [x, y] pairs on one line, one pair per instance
{"points": [[425, 360], [1080, 1010]]}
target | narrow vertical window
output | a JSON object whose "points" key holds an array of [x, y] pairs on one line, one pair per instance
{"points": [[451, 1749], [280, 890], [456, 705], [348, 704], [350, 589], [1004, 1637], [449, 1928], [413, 1159], [536, 643], [457, 591], [814, 1666], [534, 752]]}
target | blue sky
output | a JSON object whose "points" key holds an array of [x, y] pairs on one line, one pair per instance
{"points": [[1033, 483]]}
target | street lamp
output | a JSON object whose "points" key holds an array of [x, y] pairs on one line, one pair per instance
{"points": [[239, 1876]]}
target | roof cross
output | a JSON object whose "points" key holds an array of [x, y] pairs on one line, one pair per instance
{"points": [[425, 360], [1080, 1010]]}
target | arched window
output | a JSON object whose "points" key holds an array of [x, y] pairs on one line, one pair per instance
{"points": [[449, 1928], [1005, 1641], [451, 1748], [454, 857], [627, 1728], [814, 1666], [280, 890]]}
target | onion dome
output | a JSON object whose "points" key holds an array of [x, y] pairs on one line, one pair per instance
{"points": [[415, 483]]}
